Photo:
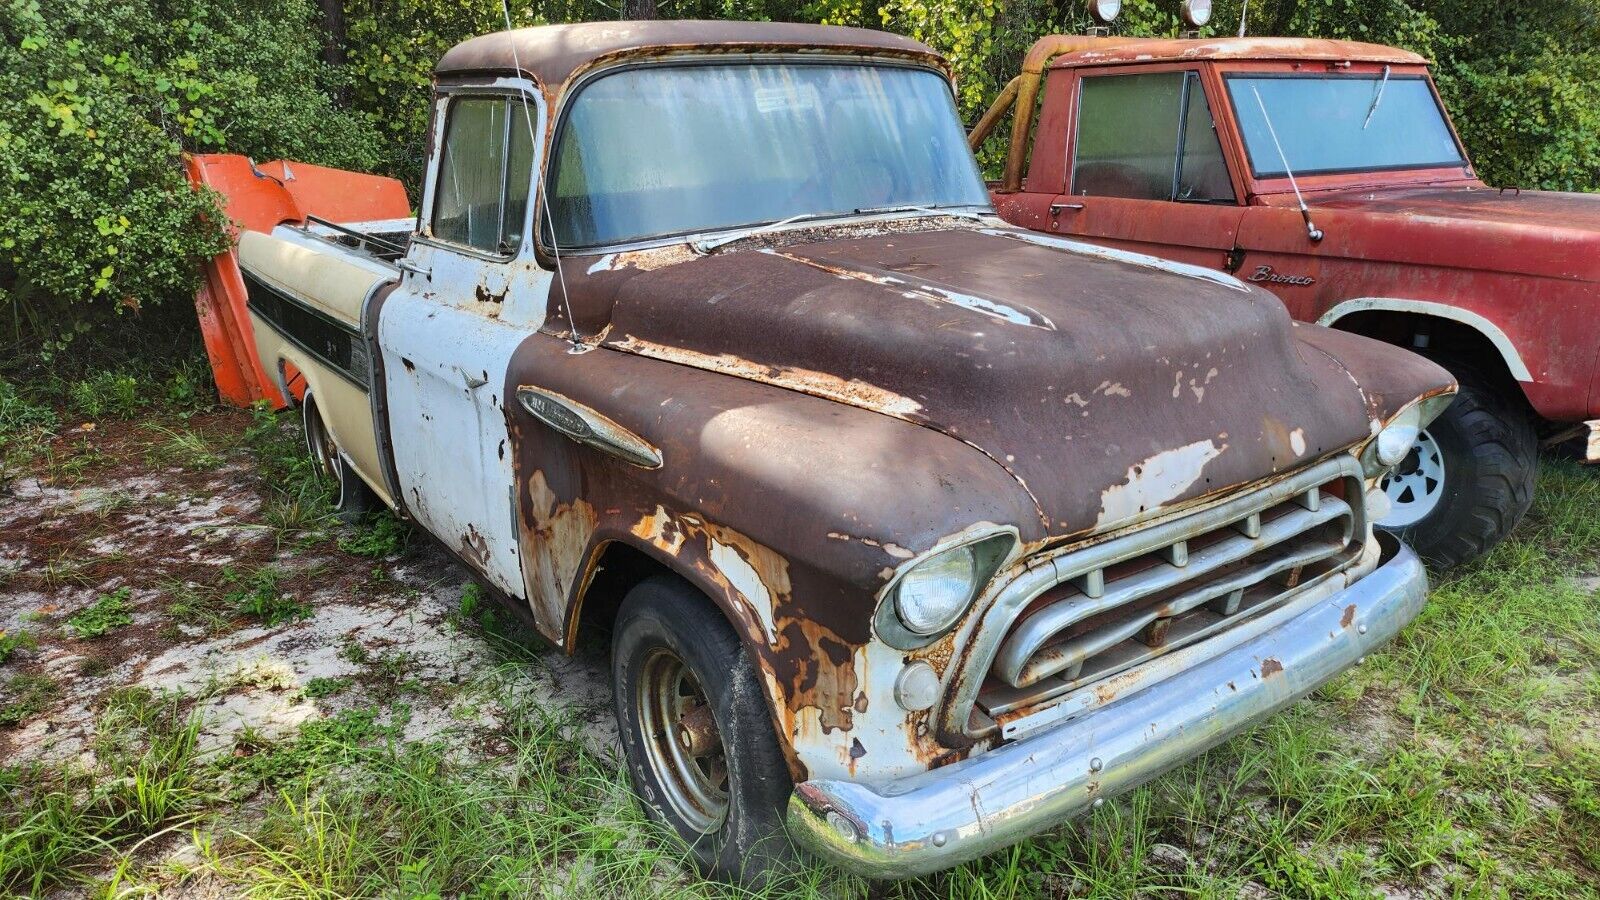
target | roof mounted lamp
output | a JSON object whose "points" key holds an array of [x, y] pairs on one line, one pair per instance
{"points": [[1103, 12], [1196, 13]]}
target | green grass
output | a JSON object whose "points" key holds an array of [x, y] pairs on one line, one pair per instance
{"points": [[25, 696], [12, 641], [62, 824], [259, 593], [106, 614]]}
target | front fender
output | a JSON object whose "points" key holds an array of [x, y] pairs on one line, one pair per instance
{"points": [[789, 511]]}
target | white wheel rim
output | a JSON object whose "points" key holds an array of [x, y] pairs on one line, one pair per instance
{"points": [[1416, 486]]}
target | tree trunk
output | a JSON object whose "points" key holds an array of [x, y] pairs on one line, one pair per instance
{"points": [[333, 34], [638, 9]]}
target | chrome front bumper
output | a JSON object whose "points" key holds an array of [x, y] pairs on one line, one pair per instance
{"points": [[946, 816]]}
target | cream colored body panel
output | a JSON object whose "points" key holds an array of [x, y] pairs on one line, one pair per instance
{"points": [[325, 278]]}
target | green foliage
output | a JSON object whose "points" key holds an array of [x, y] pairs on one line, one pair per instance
{"points": [[107, 613], [25, 696], [12, 641], [102, 99], [258, 593], [379, 535]]}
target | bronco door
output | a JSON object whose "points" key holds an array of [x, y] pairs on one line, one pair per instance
{"points": [[1146, 169], [471, 294]]}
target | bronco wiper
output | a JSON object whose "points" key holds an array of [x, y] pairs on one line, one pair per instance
{"points": [[1377, 98], [958, 212], [709, 244]]}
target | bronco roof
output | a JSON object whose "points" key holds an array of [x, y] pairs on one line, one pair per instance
{"points": [[552, 53], [1113, 51]]}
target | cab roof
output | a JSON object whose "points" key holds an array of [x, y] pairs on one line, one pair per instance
{"points": [[1124, 51], [554, 53]]}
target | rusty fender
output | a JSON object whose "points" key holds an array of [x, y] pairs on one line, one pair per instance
{"points": [[789, 511]]}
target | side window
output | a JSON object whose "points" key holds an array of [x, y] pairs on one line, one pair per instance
{"points": [[1203, 177], [485, 166], [1148, 137]]}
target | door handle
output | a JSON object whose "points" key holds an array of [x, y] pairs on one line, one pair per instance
{"points": [[406, 265], [1056, 208]]}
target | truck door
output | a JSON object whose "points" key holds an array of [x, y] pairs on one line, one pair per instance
{"points": [[470, 295], [1147, 171]]}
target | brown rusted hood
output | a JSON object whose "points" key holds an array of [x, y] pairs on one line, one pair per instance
{"points": [[1110, 389]]}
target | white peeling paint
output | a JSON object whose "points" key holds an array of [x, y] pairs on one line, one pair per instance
{"points": [[991, 308], [603, 264], [744, 579], [1297, 441], [1155, 481]]}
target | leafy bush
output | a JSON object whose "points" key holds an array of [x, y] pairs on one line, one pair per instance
{"points": [[102, 99]]}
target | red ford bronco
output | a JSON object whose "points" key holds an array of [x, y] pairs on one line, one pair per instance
{"points": [[1328, 172]]}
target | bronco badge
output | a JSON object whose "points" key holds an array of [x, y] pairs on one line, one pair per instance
{"points": [[1265, 273]]}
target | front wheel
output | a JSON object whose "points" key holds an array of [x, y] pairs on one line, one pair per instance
{"points": [[1469, 480], [695, 728]]}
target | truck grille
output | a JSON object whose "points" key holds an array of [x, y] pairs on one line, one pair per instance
{"points": [[1116, 604]]}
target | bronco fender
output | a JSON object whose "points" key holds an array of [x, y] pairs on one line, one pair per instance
{"points": [[790, 511], [1490, 331]]}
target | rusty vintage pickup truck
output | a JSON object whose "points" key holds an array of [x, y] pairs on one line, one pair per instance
{"points": [[913, 532], [1328, 173]]}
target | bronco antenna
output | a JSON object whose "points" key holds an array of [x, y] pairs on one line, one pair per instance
{"points": [[555, 248], [1244, 12], [1312, 231]]}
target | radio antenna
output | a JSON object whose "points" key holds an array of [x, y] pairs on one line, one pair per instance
{"points": [[555, 248], [1244, 12]]}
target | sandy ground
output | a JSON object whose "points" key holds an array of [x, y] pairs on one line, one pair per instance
{"points": [[386, 625]]}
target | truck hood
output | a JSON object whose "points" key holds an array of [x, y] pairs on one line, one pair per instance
{"points": [[1113, 387], [1542, 233]]}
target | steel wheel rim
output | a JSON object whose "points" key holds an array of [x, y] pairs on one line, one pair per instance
{"points": [[1416, 486], [324, 454], [696, 787]]}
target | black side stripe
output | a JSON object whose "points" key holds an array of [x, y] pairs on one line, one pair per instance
{"points": [[334, 343]]}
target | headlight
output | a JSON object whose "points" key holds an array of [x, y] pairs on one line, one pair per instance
{"points": [[1390, 446], [931, 594], [1399, 436], [1104, 11], [1196, 12], [935, 593]]}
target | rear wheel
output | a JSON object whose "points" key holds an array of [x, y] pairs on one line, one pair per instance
{"points": [[1469, 480], [354, 499], [695, 727]]}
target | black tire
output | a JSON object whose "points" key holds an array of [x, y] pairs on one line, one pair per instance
{"points": [[1490, 456], [354, 499], [666, 617]]}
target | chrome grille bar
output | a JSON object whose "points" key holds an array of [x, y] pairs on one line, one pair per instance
{"points": [[1041, 627]]}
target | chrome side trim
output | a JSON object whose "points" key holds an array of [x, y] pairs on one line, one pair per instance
{"points": [[981, 633], [587, 426], [948, 815]]}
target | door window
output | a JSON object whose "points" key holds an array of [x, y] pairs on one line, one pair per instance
{"points": [[485, 166], [1148, 137]]}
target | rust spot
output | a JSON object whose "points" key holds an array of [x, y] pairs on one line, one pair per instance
{"points": [[557, 536], [856, 750], [1270, 667], [474, 548], [1349, 616], [410, 366]]}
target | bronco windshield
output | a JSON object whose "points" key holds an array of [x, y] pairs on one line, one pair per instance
{"points": [[1341, 123], [659, 151]]}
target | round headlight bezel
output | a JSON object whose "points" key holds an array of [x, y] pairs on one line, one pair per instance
{"points": [[1196, 12], [987, 550], [1105, 12]]}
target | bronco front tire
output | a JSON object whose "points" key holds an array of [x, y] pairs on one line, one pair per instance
{"points": [[1469, 480], [695, 727]]}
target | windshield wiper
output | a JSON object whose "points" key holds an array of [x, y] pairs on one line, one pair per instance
{"points": [[1376, 99], [709, 244], [957, 211]]}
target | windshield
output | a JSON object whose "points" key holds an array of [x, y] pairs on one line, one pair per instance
{"points": [[657, 151], [1341, 123]]}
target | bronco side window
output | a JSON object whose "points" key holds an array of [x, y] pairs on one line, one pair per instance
{"points": [[485, 165], [1148, 137]]}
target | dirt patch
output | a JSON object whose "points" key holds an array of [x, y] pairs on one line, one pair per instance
{"points": [[175, 543]]}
